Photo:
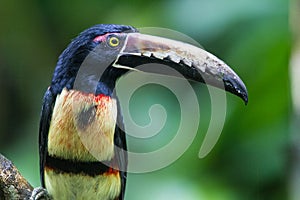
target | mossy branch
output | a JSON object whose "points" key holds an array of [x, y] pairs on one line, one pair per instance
{"points": [[12, 184]]}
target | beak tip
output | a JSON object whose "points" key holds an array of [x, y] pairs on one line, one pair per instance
{"points": [[244, 96], [236, 86], [244, 93]]}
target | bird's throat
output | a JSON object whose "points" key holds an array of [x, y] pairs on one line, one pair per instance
{"points": [[78, 130]]}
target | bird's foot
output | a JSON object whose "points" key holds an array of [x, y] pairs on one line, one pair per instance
{"points": [[40, 193]]}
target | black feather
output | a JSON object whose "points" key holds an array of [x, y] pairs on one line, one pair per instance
{"points": [[46, 114], [72, 57]]}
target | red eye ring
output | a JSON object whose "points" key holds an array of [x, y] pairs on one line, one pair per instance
{"points": [[99, 38]]}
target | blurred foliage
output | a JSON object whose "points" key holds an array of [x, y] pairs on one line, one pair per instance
{"points": [[250, 160]]}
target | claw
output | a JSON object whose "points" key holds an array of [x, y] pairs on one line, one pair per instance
{"points": [[40, 193]]}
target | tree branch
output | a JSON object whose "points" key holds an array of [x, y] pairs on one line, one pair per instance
{"points": [[12, 184]]}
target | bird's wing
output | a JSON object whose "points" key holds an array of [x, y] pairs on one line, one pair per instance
{"points": [[121, 152], [46, 114]]}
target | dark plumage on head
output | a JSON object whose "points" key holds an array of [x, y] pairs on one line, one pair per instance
{"points": [[72, 57]]}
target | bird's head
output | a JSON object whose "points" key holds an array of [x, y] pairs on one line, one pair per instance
{"points": [[95, 59]]}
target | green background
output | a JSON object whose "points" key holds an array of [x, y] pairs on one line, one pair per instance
{"points": [[252, 157]]}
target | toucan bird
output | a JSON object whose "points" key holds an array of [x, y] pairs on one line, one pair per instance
{"points": [[82, 143]]}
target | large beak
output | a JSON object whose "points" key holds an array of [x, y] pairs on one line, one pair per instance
{"points": [[192, 62]]}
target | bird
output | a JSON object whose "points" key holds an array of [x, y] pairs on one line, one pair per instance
{"points": [[82, 138]]}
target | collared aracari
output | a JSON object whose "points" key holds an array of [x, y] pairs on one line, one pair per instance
{"points": [[68, 169]]}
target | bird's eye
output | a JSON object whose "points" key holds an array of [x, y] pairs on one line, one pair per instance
{"points": [[113, 41]]}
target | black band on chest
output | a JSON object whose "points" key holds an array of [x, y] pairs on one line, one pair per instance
{"points": [[76, 167]]}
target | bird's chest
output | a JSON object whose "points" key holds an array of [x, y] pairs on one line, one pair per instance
{"points": [[81, 133], [82, 127]]}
